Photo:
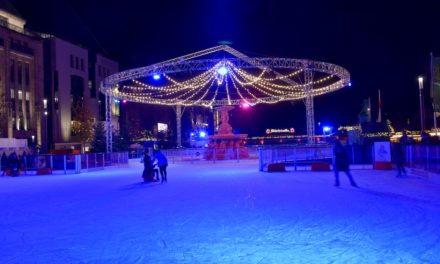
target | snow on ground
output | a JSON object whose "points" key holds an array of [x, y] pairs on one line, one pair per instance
{"points": [[219, 213]]}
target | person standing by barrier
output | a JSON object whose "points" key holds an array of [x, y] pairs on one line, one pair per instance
{"points": [[401, 155], [5, 163], [162, 163], [14, 164], [341, 163]]}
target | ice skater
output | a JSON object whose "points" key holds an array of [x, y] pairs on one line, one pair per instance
{"points": [[400, 155], [162, 163], [147, 174], [341, 163], [155, 170]]}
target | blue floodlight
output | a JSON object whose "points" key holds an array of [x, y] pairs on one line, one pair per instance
{"points": [[156, 77], [349, 84], [326, 129], [192, 134], [202, 134], [222, 70]]}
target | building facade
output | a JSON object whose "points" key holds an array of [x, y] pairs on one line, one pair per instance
{"points": [[73, 75], [21, 80], [42, 81]]}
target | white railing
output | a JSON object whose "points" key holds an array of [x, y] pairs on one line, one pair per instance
{"points": [[423, 157], [68, 163]]}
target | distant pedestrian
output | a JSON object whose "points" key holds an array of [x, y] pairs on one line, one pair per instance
{"points": [[425, 138], [14, 164], [162, 163], [401, 155], [341, 163], [5, 163]]}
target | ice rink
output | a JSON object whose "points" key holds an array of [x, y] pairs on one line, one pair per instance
{"points": [[219, 213]]}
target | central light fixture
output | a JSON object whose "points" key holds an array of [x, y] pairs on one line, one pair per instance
{"points": [[222, 70]]}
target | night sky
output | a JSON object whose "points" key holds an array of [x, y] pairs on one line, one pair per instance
{"points": [[383, 45]]}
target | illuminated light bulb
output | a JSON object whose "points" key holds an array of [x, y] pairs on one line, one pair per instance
{"points": [[156, 77], [222, 70]]}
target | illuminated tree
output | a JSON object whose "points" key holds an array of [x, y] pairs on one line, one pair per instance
{"points": [[82, 123], [98, 143]]}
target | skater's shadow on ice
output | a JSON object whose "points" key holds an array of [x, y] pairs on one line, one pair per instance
{"points": [[140, 185], [397, 196]]}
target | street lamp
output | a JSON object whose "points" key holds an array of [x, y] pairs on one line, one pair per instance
{"points": [[45, 132], [422, 107]]}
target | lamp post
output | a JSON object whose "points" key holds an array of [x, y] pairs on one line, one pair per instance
{"points": [[45, 125], [46, 141], [422, 107]]}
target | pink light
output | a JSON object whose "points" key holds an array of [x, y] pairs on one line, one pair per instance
{"points": [[245, 105], [124, 101]]}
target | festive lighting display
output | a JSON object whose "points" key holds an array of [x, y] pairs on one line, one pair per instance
{"points": [[156, 77], [225, 81], [234, 80]]}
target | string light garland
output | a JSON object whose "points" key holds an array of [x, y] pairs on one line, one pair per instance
{"points": [[227, 81]]}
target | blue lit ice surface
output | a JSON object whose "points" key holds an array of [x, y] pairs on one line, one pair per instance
{"points": [[226, 212]]}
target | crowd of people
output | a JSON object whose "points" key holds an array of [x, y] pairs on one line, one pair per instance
{"points": [[12, 164], [154, 165]]}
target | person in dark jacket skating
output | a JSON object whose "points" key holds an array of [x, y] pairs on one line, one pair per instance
{"points": [[147, 174], [401, 155], [162, 163], [341, 163]]}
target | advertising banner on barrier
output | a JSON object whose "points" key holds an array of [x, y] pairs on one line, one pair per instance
{"points": [[382, 151]]}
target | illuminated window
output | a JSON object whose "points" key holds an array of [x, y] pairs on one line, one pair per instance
{"points": [[20, 95], [27, 96]]}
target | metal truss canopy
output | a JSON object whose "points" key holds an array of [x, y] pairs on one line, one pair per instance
{"points": [[308, 79]]}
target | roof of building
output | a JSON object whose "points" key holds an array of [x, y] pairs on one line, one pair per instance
{"points": [[5, 5]]}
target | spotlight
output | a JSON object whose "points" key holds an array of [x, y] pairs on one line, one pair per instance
{"points": [[156, 77], [202, 134], [222, 70]]}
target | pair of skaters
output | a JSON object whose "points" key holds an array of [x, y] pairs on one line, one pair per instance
{"points": [[152, 167]]}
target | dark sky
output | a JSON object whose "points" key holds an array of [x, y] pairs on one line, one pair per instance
{"points": [[383, 45]]}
